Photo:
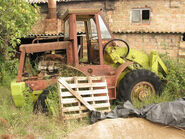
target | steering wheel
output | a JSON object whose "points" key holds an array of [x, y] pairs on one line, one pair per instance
{"points": [[128, 48]]}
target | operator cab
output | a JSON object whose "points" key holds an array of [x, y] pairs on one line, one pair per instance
{"points": [[96, 33]]}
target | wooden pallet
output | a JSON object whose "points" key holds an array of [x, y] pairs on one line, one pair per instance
{"points": [[93, 91]]}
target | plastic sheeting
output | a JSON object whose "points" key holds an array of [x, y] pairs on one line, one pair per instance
{"points": [[166, 113]]}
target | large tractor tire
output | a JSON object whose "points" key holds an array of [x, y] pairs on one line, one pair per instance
{"points": [[138, 85], [40, 104]]}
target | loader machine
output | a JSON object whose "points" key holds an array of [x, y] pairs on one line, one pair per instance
{"points": [[130, 74]]}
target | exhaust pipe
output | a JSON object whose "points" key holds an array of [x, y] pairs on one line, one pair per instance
{"points": [[52, 14]]}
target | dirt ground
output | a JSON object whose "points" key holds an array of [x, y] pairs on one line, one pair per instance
{"points": [[128, 128]]}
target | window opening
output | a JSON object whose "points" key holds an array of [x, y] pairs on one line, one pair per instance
{"points": [[140, 15], [105, 34], [145, 14], [88, 48], [66, 29], [92, 30]]}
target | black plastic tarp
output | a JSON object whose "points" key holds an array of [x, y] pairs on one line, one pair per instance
{"points": [[166, 113]]}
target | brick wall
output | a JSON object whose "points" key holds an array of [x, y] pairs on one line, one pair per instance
{"points": [[165, 16], [162, 43], [182, 49]]}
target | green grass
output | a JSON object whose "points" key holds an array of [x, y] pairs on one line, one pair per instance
{"points": [[20, 122], [174, 83]]}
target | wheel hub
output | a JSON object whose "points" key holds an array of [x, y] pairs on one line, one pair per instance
{"points": [[142, 90]]}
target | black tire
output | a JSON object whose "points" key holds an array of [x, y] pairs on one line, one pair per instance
{"points": [[40, 104], [133, 79]]}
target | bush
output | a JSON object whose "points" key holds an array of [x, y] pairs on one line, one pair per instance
{"points": [[173, 83], [16, 20], [175, 80]]}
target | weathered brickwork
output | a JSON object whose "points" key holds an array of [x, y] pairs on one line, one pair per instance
{"points": [[164, 17], [163, 43], [39, 27], [163, 32], [182, 49]]}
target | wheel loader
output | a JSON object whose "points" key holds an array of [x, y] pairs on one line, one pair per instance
{"points": [[130, 74]]}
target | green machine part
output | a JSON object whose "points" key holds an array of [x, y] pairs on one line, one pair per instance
{"points": [[115, 56], [20, 92]]}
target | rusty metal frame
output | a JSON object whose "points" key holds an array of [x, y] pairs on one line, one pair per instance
{"points": [[21, 65], [45, 38], [42, 47], [71, 47], [73, 36], [99, 39]]}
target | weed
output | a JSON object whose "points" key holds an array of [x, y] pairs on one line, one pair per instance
{"points": [[22, 122], [174, 83]]}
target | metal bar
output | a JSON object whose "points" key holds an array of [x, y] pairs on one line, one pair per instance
{"points": [[99, 40], [46, 38], [73, 36], [21, 66], [42, 47]]}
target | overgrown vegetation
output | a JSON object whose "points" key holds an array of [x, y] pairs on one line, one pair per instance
{"points": [[16, 19], [174, 83], [21, 122]]}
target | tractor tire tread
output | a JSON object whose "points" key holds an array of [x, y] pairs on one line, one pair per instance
{"points": [[132, 78]]}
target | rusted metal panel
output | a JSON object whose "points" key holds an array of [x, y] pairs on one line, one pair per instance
{"points": [[42, 47], [111, 85], [40, 84], [97, 70], [69, 53], [102, 70]]}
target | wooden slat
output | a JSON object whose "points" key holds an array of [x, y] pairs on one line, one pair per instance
{"points": [[64, 83], [77, 108], [74, 100], [85, 92], [84, 85], [90, 97]]}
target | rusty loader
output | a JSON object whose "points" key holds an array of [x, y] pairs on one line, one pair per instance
{"points": [[130, 74]]}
